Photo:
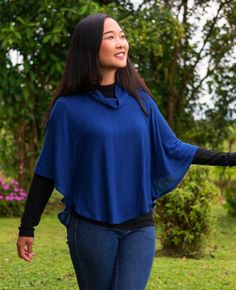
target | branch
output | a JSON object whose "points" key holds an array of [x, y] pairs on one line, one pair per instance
{"points": [[209, 32], [185, 22], [190, 73], [133, 12], [209, 71]]}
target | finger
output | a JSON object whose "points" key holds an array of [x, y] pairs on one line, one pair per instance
{"points": [[29, 249], [22, 252]]}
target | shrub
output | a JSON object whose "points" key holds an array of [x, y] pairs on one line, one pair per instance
{"points": [[226, 181], [230, 196], [185, 215], [12, 198]]}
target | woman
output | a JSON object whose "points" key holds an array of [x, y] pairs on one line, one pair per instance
{"points": [[111, 154]]}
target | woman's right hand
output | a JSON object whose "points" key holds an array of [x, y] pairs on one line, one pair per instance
{"points": [[25, 248]]}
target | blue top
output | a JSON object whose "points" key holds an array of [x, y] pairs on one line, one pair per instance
{"points": [[107, 158]]}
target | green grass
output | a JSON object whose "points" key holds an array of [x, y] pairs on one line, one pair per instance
{"points": [[52, 268]]}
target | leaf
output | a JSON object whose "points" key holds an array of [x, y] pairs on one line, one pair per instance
{"points": [[47, 38]]}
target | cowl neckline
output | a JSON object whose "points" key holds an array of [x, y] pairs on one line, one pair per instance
{"points": [[121, 96]]}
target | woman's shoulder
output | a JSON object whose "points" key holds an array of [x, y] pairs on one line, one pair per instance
{"points": [[66, 105], [69, 101]]}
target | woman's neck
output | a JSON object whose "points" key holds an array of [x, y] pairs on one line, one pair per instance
{"points": [[108, 77], [107, 86]]}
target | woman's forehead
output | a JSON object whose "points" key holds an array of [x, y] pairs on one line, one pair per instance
{"points": [[111, 25]]}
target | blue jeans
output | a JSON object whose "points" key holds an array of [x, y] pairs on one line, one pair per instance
{"points": [[108, 258]]}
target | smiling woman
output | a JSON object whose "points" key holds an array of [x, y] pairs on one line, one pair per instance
{"points": [[109, 151]]}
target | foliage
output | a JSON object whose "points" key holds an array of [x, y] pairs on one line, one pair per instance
{"points": [[230, 195], [225, 178], [37, 33], [226, 181], [12, 198], [183, 54], [162, 46], [8, 151], [185, 215]]}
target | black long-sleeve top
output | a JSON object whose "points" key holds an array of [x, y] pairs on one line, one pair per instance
{"points": [[42, 187]]}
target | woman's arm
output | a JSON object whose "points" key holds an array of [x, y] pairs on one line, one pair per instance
{"points": [[39, 193], [207, 157]]}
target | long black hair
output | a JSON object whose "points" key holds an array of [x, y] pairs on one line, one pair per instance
{"points": [[82, 70]]}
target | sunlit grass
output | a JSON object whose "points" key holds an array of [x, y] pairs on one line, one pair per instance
{"points": [[52, 268]]}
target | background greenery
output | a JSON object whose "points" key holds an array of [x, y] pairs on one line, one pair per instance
{"points": [[185, 216], [163, 46]]}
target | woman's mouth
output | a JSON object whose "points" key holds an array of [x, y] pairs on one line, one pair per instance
{"points": [[120, 55]]}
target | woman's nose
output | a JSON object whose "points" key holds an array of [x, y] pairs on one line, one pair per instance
{"points": [[120, 44]]}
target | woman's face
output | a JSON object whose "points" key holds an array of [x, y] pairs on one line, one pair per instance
{"points": [[114, 47]]}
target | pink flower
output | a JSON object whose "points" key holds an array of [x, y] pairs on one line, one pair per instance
{"points": [[14, 182], [19, 198], [1, 197], [5, 186], [9, 198]]}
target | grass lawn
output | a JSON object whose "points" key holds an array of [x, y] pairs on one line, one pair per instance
{"points": [[52, 268]]}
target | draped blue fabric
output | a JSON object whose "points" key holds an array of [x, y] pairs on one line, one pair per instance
{"points": [[108, 159]]}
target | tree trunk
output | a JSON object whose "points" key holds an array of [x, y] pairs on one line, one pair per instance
{"points": [[172, 96], [20, 133]]}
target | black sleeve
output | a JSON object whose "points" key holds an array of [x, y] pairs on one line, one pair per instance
{"points": [[207, 157], [39, 193]]}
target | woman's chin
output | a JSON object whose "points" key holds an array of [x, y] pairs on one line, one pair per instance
{"points": [[121, 65]]}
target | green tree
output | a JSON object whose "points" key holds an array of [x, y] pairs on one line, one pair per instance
{"points": [[168, 54], [161, 45], [38, 32]]}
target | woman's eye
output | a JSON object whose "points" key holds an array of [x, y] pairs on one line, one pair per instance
{"points": [[123, 36], [110, 37]]}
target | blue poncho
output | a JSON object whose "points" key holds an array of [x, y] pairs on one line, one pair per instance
{"points": [[108, 159]]}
